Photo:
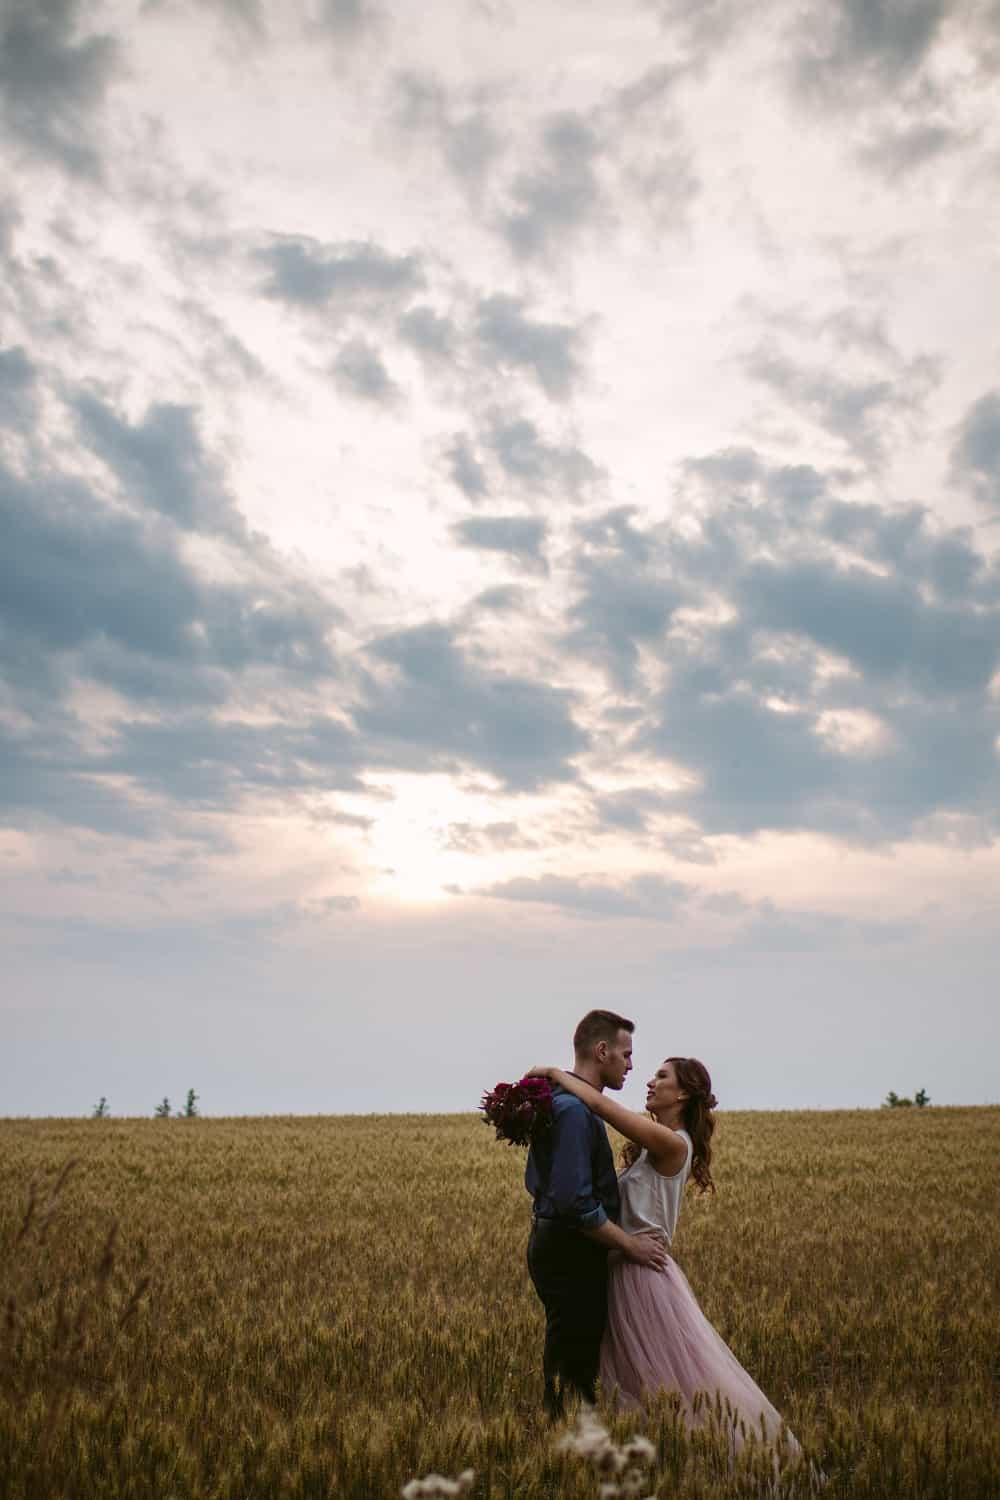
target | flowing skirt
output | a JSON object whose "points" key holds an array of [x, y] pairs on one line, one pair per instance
{"points": [[658, 1338]]}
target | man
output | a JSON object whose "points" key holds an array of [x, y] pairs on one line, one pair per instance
{"points": [[571, 1177]]}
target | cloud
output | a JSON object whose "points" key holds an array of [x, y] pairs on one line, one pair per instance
{"points": [[629, 810], [347, 20], [462, 130], [647, 896], [862, 46], [975, 456], [515, 341], [482, 838], [535, 465], [466, 470], [554, 199], [350, 274], [861, 413], [246, 14], [501, 601], [431, 334], [358, 370], [622, 603], [521, 537], [161, 463], [435, 709], [897, 150], [94, 594], [883, 626], [17, 388], [52, 83]]}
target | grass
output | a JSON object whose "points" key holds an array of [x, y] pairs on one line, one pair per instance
{"points": [[309, 1307]]}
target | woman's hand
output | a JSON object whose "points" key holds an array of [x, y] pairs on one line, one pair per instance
{"points": [[541, 1073]]}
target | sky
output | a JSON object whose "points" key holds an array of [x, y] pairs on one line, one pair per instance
{"points": [[501, 515]]}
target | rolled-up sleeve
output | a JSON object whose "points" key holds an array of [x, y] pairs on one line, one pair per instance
{"points": [[571, 1182]]}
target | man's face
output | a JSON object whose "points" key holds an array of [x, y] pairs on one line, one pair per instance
{"points": [[616, 1063]]}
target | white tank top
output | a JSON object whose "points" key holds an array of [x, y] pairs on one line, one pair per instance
{"points": [[649, 1200]]}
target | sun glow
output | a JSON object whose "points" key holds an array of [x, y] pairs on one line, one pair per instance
{"points": [[433, 834]]}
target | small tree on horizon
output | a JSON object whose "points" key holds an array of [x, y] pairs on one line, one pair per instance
{"points": [[101, 1110], [191, 1105], [162, 1111], [921, 1098]]}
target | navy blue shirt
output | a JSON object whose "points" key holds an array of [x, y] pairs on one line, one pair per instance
{"points": [[571, 1172]]}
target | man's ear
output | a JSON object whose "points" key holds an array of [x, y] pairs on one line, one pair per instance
{"points": [[601, 1051]]}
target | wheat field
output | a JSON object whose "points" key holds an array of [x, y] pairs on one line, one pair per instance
{"points": [[216, 1309]]}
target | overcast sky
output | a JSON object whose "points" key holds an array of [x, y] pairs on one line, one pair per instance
{"points": [[501, 514]]}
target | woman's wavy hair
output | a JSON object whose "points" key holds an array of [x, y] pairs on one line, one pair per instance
{"points": [[698, 1120]]}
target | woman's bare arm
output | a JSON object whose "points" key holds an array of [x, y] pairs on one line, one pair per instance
{"points": [[664, 1145]]}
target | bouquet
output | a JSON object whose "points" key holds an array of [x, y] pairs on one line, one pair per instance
{"points": [[519, 1112]]}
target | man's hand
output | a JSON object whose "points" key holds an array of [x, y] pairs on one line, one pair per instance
{"points": [[646, 1250]]}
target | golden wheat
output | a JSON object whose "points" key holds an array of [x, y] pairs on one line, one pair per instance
{"points": [[313, 1307]]}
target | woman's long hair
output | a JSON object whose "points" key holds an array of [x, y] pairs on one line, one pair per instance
{"points": [[698, 1120]]}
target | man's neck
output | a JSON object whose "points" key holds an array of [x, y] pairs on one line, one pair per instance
{"points": [[589, 1071]]}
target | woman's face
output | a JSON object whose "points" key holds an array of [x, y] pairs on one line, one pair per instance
{"points": [[663, 1091]]}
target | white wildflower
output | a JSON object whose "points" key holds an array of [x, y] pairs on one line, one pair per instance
{"points": [[438, 1486]]}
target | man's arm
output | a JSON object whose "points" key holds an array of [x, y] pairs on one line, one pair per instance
{"points": [[644, 1249]]}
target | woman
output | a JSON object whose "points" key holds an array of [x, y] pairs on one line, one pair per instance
{"points": [[657, 1337]]}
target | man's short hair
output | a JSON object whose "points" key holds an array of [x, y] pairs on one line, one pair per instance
{"points": [[599, 1026]]}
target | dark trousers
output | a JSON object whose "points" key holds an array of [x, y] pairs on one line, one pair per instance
{"points": [[570, 1275]]}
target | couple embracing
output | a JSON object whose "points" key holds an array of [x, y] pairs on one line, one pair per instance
{"points": [[616, 1305]]}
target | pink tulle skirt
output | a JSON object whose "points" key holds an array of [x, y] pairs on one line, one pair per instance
{"points": [[657, 1338]]}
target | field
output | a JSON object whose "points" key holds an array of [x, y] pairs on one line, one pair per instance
{"points": [[314, 1307]]}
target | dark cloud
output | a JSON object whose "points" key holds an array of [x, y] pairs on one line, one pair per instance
{"points": [[53, 82], [44, 777], [246, 14], [975, 457], [862, 46], [17, 388], [463, 132], [94, 593], [161, 463], [358, 370], [864, 412], [552, 200], [647, 896], [619, 609], [521, 537], [485, 838], [653, 86], [346, 20], [622, 602], [699, 29], [743, 704], [882, 625], [629, 811], [897, 150], [213, 764], [514, 341], [437, 709], [431, 334], [350, 274], [500, 601], [466, 470], [536, 466]]}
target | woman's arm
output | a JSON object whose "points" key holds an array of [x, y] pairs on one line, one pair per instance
{"points": [[664, 1145]]}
